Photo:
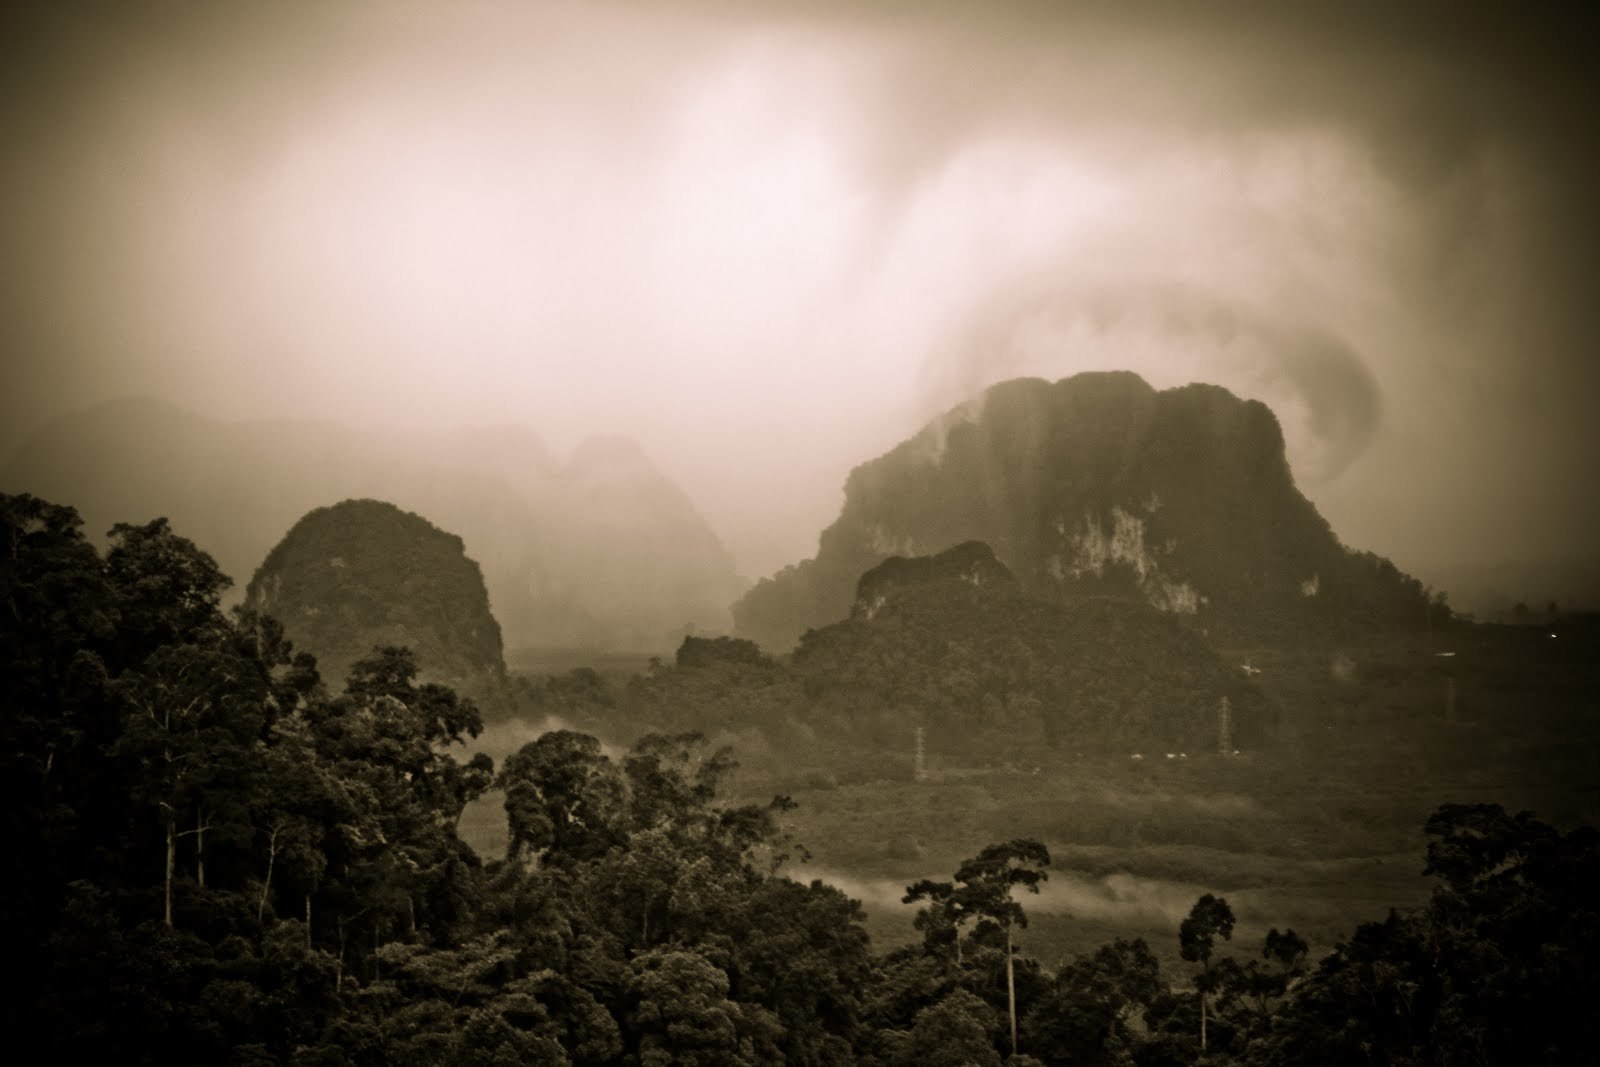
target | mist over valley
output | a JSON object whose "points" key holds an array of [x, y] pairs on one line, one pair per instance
{"points": [[817, 534]]}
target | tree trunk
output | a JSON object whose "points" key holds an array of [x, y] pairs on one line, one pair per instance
{"points": [[172, 859], [1011, 991], [1203, 983], [338, 971], [266, 886]]}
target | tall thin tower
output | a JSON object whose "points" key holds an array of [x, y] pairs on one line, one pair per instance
{"points": [[1225, 728], [919, 767]]}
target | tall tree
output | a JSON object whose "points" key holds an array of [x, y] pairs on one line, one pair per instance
{"points": [[192, 718], [1087, 1018], [672, 780], [165, 590], [683, 1014], [984, 887], [385, 740], [941, 921], [300, 801], [952, 1033], [564, 798], [1209, 919], [56, 622]]}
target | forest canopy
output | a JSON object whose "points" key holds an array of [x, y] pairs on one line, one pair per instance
{"points": [[222, 857]]}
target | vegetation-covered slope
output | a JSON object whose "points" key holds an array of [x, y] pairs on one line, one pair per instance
{"points": [[987, 669], [1099, 483], [952, 645], [217, 860], [364, 574]]}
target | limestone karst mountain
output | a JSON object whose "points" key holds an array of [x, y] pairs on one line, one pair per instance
{"points": [[626, 556], [1098, 484], [363, 574], [602, 551]]}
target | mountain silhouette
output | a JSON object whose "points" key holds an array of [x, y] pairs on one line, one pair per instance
{"points": [[1099, 485], [601, 551], [363, 574]]}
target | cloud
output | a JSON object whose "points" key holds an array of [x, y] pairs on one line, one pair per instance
{"points": [[771, 239], [1118, 897], [1323, 392]]}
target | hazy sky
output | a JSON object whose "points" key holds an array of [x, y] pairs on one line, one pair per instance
{"points": [[770, 239]]}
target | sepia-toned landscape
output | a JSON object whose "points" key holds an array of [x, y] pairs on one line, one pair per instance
{"points": [[798, 533]]}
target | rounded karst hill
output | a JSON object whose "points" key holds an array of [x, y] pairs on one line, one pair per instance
{"points": [[363, 574], [954, 643]]}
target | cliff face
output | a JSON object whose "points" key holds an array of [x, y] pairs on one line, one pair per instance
{"points": [[1096, 484], [362, 574], [602, 551]]}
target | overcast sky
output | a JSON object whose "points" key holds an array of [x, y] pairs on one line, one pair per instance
{"points": [[769, 240]]}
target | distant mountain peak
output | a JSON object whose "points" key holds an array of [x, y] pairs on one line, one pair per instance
{"points": [[1096, 484], [603, 551], [608, 450]]}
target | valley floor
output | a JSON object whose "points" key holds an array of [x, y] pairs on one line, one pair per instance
{"points": [[1320, 832]]}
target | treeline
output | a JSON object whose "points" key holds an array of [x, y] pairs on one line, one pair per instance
{"points": [[216, 858], [988, 674]]}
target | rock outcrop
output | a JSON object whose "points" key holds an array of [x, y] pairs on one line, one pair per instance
{"points": [[1097, 485], [364, 574]]}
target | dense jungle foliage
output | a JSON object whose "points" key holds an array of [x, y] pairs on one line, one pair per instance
{"points": [[219, 857], [951, 646]]}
